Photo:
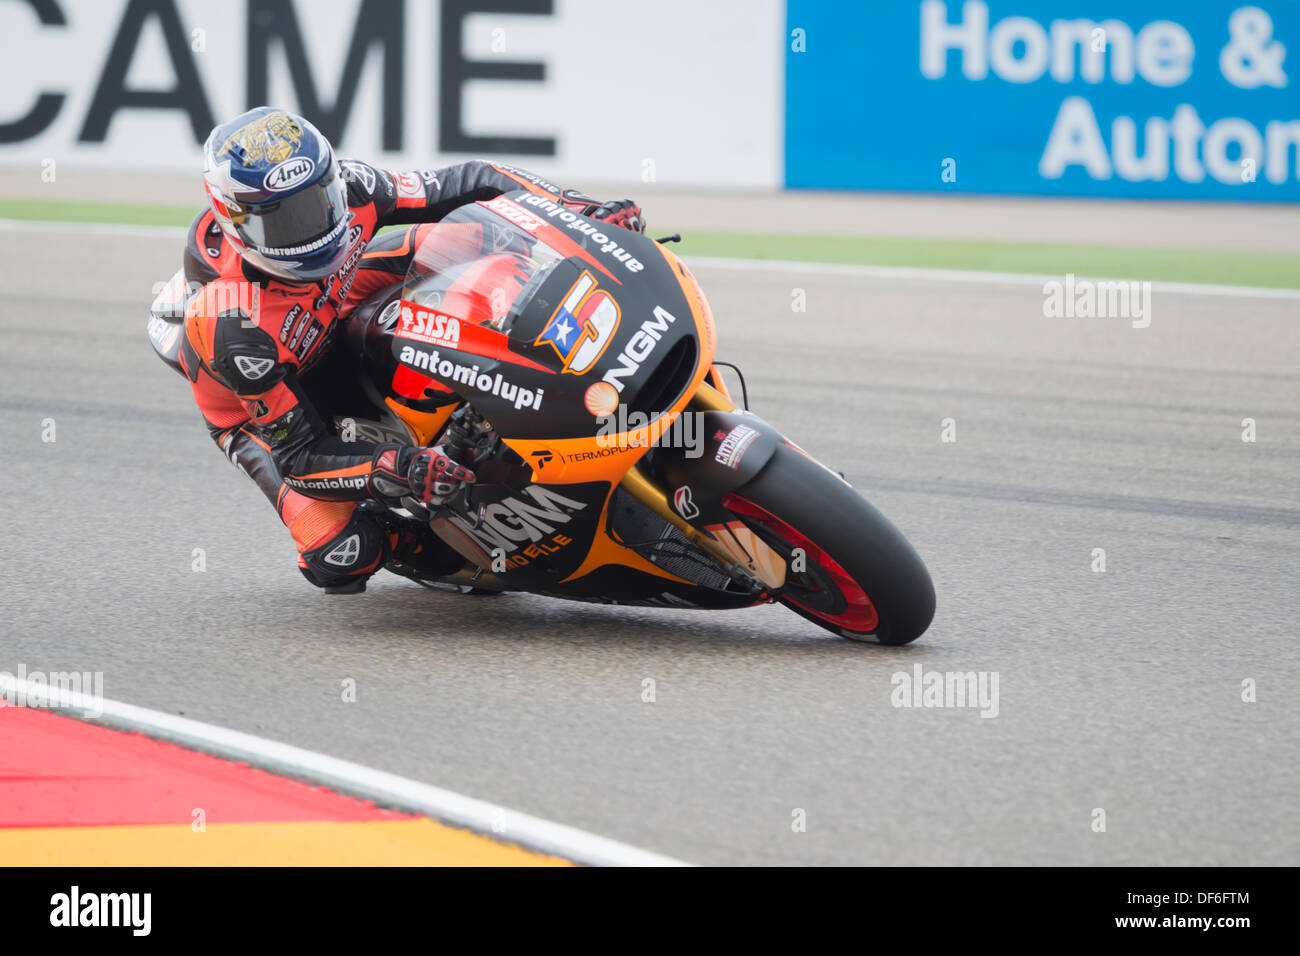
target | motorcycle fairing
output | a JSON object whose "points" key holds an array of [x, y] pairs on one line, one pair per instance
{"points": [[657, 353], [538, 532], [528, 375]]}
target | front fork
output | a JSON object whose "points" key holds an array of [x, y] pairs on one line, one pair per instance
{"points": [[649, 492]]}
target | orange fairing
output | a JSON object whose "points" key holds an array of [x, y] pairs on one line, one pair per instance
{"points": [[606, 551], [704, 327], [423, 426], [565, 461]]}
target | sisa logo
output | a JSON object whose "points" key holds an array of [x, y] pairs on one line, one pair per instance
{"points": [[426, 325], [582, 325], [288, 174], [515, 213]]}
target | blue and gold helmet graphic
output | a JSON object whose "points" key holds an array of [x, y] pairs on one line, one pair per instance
{"points": [[278, 194]]}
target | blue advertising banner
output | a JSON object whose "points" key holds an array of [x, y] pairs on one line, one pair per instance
{"points": [[1139, 99]]}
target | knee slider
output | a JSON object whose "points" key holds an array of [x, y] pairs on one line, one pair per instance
{"points": [[355, 552]]}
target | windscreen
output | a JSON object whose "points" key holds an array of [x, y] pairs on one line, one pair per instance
{"points": [[477, 265]]}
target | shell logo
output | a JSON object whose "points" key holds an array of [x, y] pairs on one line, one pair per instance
{"points": [[601, 399]]}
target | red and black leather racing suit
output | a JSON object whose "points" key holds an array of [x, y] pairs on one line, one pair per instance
{"points": [[250, 338]]}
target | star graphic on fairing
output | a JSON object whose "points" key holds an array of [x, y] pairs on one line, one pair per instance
{"points": [[562, 330]]}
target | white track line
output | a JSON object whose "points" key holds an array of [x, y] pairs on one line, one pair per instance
{"points": [[747, 265], [383, 788], [985, 278], [95, 229]]}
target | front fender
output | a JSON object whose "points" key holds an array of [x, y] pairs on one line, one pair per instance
{"points": [[730, 449]]}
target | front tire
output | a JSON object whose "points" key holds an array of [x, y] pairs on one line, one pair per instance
{"points": [[861, 578]]}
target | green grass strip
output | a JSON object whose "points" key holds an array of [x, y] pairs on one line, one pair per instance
{"points": [[1267, 269]]}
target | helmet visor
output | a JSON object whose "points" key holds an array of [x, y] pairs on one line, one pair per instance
{"points": [[299, 224]]}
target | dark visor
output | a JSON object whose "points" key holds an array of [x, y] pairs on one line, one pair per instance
{"points": [[298, 224]]}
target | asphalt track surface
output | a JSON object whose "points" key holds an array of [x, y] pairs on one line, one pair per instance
{"points": [[1119, 690]]}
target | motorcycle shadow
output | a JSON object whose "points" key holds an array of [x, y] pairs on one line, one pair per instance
{"points": [[397, 610]]}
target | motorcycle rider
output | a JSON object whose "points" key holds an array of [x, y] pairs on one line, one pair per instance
{"points": [[283, 254]]}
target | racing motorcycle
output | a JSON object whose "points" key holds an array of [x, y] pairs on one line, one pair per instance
{"points": [[572, 366]]}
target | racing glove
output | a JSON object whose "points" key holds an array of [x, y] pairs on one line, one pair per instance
{"points": [[434, 476], [429, 475], [624, 213], [621, 212]]}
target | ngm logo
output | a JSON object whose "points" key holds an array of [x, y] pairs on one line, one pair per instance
{"points": [[582, 325]]}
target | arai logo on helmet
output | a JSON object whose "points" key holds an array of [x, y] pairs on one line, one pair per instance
{"points": [[288, 174]]}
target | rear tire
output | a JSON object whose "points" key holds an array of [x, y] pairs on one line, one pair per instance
{"points": [[842, 535]]}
